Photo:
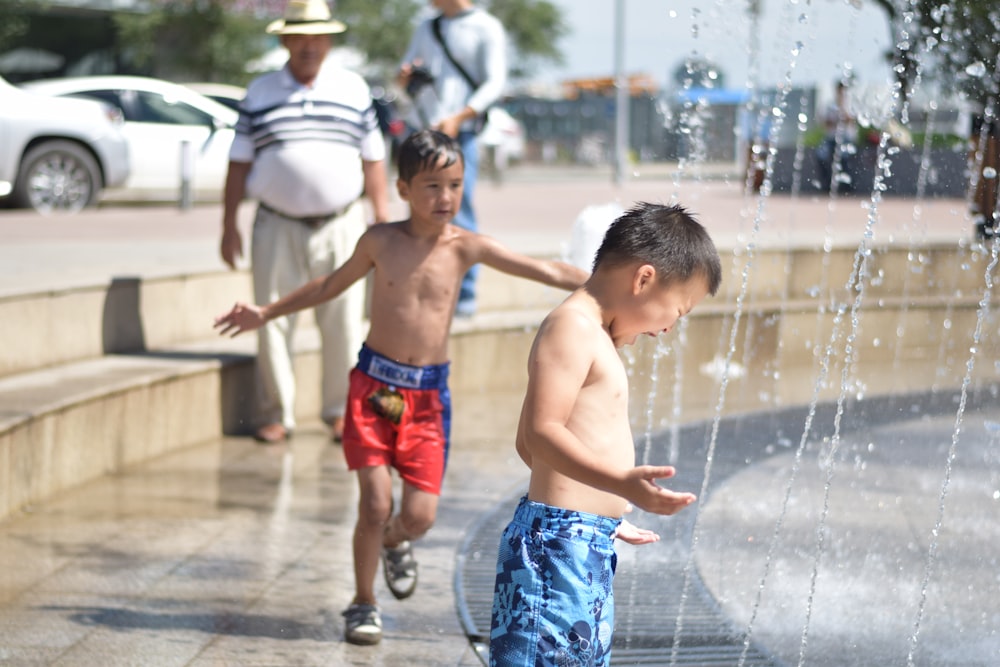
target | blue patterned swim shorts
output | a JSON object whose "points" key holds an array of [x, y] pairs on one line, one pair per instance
{"points": [[553, 602]]}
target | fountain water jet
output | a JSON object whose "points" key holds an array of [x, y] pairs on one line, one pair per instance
{"points": [[858, 425]]}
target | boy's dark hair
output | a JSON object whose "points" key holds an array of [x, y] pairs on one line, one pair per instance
{"points": [[668, 238], [427, 149]]}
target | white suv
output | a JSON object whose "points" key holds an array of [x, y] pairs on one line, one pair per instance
{"points": [[56, 154]]}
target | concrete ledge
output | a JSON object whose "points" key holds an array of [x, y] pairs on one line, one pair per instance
{"points": [[126, 315], [101, 378], [66, 425]]}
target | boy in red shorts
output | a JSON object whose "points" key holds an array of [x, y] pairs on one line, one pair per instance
{"points": [[398, 411]]}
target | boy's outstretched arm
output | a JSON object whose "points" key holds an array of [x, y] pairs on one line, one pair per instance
{"points": [[494, 254], [247, 317]]}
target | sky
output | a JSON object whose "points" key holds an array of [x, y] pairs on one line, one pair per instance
{"points": [[661, 34]]}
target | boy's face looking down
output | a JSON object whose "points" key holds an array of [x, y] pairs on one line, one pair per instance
{"points": [[434, 194], [653, 307]]}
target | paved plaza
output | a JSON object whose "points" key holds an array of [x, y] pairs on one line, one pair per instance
{"points": [[234, 553]]}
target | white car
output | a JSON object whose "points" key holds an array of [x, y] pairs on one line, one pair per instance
{"points": [[175, 135], [57, 155], [225, 94]]}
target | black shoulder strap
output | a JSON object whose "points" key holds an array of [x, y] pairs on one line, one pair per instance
{"points": [[436, 25]]}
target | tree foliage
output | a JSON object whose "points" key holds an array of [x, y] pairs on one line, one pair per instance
{"points": [[380, 29], [955, 43], [211, 40], [13, 21], [203, 40], [534, 28]]}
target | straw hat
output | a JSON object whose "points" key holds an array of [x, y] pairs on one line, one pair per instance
{"points": [[306, 17]]}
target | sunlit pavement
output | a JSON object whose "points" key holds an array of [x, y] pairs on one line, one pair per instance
{"points": [[532, 210]]}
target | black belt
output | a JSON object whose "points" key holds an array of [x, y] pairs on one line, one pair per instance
{"points": [[314, 221]]}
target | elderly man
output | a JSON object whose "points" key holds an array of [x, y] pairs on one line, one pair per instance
{"points": [[307, 148]]}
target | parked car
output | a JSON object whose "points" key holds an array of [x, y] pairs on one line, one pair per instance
{"points": [[162, 120], [223, 93], [57, 155]]}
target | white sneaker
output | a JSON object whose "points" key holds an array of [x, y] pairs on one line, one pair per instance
{"points": [[362, 624], [400, 569]]}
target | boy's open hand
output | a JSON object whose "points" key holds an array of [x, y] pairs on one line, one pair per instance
{"points": [[242, 317], [646, 494], [632, 534]]}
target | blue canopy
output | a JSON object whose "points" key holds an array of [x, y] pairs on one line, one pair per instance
{"points": [[713, 96]]}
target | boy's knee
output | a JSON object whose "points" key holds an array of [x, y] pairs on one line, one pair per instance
{"points": [[375, 511], [415, 525]]}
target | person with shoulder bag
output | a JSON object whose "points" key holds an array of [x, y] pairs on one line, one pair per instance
{"points": [[454, 69]]}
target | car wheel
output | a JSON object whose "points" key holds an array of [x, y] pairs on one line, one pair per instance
{"points": [[57, 177]]}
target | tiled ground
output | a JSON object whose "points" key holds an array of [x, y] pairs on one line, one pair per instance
{"points": [[233, 553]]}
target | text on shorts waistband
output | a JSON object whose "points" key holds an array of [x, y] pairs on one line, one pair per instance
{"points": [[391, 372]]}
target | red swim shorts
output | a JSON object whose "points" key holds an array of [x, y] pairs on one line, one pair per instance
{"points": [[399, 416]]}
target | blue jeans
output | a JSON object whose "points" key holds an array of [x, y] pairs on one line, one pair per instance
{"points": [[466, 218], [553, 602]]}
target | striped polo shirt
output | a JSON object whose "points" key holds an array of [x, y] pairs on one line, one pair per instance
{"points": [[306, 143]]}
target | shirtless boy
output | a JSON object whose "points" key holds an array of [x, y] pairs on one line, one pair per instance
{"points": [[398, 411], [553, 602]]}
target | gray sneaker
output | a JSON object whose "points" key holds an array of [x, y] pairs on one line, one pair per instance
{"points": [[362, 624], [400, 569]]}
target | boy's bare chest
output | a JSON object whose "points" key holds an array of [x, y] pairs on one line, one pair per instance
{"points": [[425, 275]]}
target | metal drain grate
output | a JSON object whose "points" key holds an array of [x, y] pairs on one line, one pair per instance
{"points": [[648, 589], [647, 599]]}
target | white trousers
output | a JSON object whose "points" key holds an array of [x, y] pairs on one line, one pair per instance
{"points": [[285, 254]]}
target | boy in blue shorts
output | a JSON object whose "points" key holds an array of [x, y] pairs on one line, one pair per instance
{"points": [[553, 601], [398, 410]]}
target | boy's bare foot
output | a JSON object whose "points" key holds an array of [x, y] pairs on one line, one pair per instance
{"points": [[272, 433]]}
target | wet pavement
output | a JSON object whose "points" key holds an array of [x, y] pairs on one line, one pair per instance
{"points": [[232, 553]]}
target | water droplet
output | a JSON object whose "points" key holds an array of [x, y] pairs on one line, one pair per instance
{"points": [[976, 69], [989, 172]]}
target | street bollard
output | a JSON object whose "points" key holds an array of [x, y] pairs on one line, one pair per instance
{"points": [[187, 167]]}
